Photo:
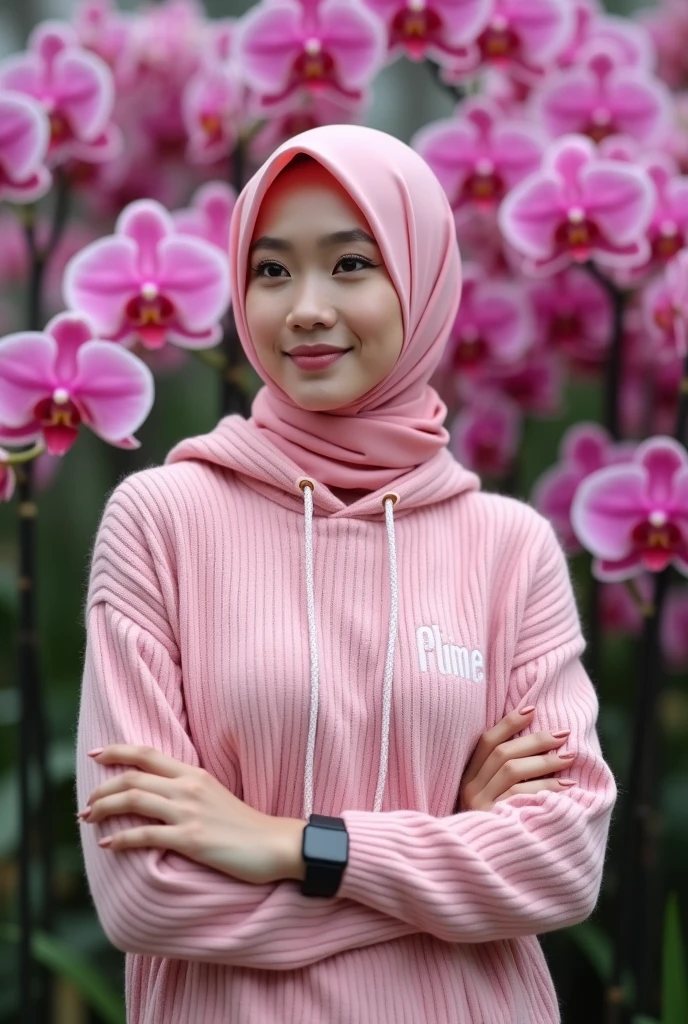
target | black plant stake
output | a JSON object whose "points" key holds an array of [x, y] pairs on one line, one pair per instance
{"points": [[612, 391], [34, 740], [233, 397]]}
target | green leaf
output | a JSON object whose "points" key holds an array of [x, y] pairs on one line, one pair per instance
{"points": [[595, 945], [56, 955], [674, 967]]}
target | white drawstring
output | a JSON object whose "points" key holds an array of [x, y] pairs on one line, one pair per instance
{"points": [[388, 502]]}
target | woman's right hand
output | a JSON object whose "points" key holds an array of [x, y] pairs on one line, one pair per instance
{"points": [[502, 766]]}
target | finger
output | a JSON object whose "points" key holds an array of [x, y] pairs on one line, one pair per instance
{"points": [[148, 758], [536, 786], [507, 727], [163, 837], [522, 746], [522, 769], [133, 779], [134, 801]]}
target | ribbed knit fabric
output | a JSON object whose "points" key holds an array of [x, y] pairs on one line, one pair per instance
{"points": [[197, 644]]}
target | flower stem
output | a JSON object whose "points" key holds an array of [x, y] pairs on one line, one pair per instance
{"points": [[34, 739], [614, 366], [233, 396], [28, 455]]}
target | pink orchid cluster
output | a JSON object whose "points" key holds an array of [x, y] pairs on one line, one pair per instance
{"points": [[159, 278]]}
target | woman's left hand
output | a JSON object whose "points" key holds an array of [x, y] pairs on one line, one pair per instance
{"points": [[202, 819]]}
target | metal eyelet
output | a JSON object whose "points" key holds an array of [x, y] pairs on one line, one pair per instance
{"points": [[392, 495], [305, 481]]}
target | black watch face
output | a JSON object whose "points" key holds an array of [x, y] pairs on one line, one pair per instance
{"points": [[326, 844]]}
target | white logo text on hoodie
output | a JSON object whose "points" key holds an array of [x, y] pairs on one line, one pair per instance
{"points": [[450, 659]]}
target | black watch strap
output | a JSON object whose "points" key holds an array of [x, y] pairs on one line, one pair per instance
{"points": [[325, 850]]}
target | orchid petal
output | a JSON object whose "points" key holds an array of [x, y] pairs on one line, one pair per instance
{"points": [[117, 387], [27, 361], [195, 277], [100, 279], [620, 200], [607, 506]]}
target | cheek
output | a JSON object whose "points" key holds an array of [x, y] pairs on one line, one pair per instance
{"points": [[381, 323], [261, 319]]}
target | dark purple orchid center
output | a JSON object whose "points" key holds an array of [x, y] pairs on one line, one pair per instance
{"points": [[565, 327], [470, 349], [657, 540], [484, 187], [59, 419], [150, 314], [487, 454], [313, 66], [212, 126], [499, 42], [414, 28], [60, 128], [667, 242], [577, 235]]}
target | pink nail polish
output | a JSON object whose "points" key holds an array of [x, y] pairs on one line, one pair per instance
{"points": [[561, 734], [96, 751], [567, 757], [566, 782], [526, 711], [105, 841]]}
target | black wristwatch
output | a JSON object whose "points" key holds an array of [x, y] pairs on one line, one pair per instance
{"points": [[325, 850]]}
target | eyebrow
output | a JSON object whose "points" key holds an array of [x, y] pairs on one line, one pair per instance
{"points": [[336, 238]]}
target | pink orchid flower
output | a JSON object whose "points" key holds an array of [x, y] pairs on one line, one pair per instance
{"points": [[635, 516], [599, 98], [535, 382], [584, 448], [150, 283], [480, 155], [494, 324], [675, 629], [75, 88], [323, 46], [306, 110], [53, 382], [519, 37], [437, 29], [107, 32], [665, 308], [668, 230], [212, 109], [486, 434], [24, 137], [209, 214], [579, 207], [573, 315], [667, 26], [7, 477], [625, 40]]}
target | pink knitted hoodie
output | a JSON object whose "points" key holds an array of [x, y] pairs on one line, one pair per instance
{"points": [[346, 659]]}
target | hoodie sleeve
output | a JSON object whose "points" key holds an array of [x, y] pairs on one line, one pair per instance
{"points": [[534, 863], [157, 902]]}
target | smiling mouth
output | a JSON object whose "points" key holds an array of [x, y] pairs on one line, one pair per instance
{"points": [[319, 359]]}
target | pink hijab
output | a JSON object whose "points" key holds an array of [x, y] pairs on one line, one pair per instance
{"points": [[398, 424]]}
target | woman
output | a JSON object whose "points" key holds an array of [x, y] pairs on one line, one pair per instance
{"points": [[317, 610]]}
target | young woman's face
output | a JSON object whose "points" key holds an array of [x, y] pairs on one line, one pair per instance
{"points": [[321, 309]]}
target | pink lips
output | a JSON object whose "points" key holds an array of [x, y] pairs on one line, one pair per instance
{"points": [[316, 357]]}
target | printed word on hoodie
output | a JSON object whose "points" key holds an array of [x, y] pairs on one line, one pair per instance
{"points": [[450, 659]]}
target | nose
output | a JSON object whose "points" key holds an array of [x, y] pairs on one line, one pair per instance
{"points": [[311, 308]]}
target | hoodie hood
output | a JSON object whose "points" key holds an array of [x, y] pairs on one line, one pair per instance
{"points": [[238, 445]]}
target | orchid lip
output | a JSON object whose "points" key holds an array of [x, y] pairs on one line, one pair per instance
{"points": [[316, 350]]}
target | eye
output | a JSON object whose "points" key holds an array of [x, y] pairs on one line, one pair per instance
{"points": [[350, 264], [270, 268]]}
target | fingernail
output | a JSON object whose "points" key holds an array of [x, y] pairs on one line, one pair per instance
{"points": [[526, 711], [85, 813], [105, 841], [567, 757], [96, 751], [561, 734], [566, 782]]}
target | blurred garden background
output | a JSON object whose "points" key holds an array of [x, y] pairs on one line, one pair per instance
{"points": [[569, 352]]}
